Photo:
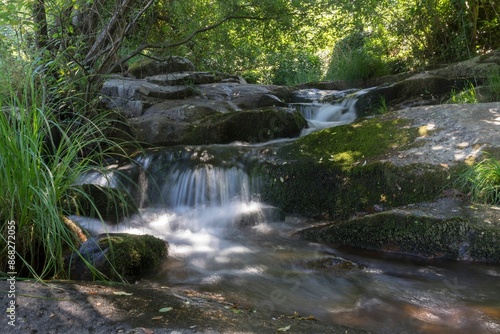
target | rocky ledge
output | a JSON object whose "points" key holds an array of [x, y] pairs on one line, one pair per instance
{"points": [[387, 183]]}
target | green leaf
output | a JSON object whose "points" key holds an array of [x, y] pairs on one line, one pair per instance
{"points": [[165, 309]]}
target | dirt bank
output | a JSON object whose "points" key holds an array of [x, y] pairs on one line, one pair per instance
{"points": [[75, 307]]}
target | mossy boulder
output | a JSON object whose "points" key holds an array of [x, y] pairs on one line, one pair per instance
{"points": [[117, 256], [339, 171], [446, 229], [90, 200]]}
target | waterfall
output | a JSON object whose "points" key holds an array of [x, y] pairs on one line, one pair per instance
{"points": [[321, 115], [208, 186]]}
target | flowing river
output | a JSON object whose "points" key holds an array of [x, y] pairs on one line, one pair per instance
{"points": [[205, 202]]}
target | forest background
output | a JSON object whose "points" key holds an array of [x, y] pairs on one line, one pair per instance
{"points": [[266, 41]]}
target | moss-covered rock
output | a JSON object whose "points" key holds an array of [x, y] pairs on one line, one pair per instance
{"points": [[117, 256], [339, 171], [399, 233], [445, 229]]}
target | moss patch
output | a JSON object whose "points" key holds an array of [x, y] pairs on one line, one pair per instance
{"points": [[350, 145], [485, 244], [133, 255], [406, 234], [340, 171]]}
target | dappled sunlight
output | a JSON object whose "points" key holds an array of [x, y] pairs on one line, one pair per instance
{"points": [[496, 117], [423, 131]]}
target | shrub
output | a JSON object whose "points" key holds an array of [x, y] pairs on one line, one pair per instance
{"points": [[296, 68], [354, 59]]}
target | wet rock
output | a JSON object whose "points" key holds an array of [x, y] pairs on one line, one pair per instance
{"points": [[332, 263], [193, 78], [212, 127], [402, 157], [131, 96]]}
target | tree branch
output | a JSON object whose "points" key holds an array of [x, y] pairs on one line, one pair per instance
{"points": [[188, 38]]}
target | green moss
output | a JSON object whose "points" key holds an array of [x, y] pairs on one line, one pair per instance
{"points": [[350, 145], [133, 255], [485, 244], [326, 191], [407, 234]]}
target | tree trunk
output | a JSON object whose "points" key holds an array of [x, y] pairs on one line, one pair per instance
{"points": [[40, 20]]}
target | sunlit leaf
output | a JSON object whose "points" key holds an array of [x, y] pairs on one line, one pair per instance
{"points": [[166, 309]]}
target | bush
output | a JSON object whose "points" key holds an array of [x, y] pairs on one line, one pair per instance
{"points": [[295, 68], [354, 59]]}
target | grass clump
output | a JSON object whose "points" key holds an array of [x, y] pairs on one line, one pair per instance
{"points": [[467, 95], [482, 181], [42, 155]]}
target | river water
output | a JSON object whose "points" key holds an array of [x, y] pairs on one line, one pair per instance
{"points": [[224, 239]]}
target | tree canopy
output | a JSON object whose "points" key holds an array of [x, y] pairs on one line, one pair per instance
{"points": [[266, 41]]}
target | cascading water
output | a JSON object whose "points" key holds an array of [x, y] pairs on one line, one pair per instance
{"points": [[205, 202]]}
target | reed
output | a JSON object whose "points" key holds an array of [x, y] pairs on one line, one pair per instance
{"points": [[41, 158]]}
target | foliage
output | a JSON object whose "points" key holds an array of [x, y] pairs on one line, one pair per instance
{"points": [[260, 38], [355, 59], [467, 95], [482, 181], [493, 84], [295, 68], [42, 157], [383, 107]]}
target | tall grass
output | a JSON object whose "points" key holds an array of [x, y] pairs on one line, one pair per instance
{"points": [[467, 95], [41, 158], [482, 181]]}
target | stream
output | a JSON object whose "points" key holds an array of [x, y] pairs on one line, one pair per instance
{"points": [[205, 202]]}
